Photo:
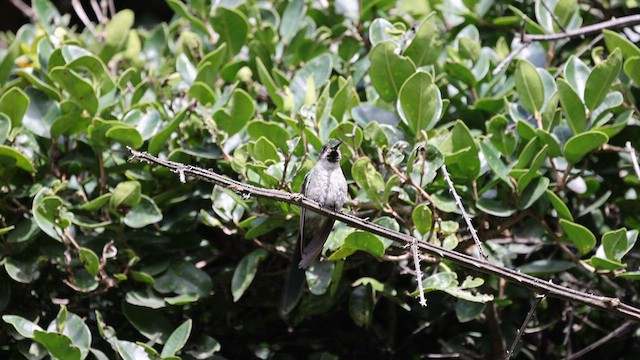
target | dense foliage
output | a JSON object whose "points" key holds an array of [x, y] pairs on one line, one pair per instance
{"points": [[101, 256]]}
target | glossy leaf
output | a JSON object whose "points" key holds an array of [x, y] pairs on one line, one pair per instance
{"points": [[232, 26], [177, 339], [14, 104], [580, 236], [580, 145], [601, 78], [420, 104], [245, 272], [529, 87], [422, 218], [389, 70], [572, 106], [424, 48]]}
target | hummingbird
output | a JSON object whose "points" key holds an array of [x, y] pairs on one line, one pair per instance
{"points": [[325, 184]]}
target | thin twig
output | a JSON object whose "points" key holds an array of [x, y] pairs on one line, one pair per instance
{"points": [[579, 53], [634, 158], [612, 305], [465, 216], [622, 328], [98, 11], [509, 57], [535, 304], [553, 16], [25, 9], [416, 264], [82, 15], [609, 24]]}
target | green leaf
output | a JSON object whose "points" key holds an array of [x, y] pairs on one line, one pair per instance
{"points": [[615, 40], [572, 106], [632, 69], [291, 20], [90, 260], [126, 193], [245, 272], [424, 48], [58, 345], [605, 264], [212, 61], [14, 103], [464, 162], [151, 323], [129, 350], [578, 146], [242, 109], [559, 205], [41, 113], [368, 178], [5, 127], [580, 236], [125, 135], [177, 339], [494, 207], [232, 25], [532, 172], [9, 60], [80, 89], [362, 240], [501, 138], [600, 80], [181, 9], [468, 310], [143, 214], [422, 218], [9, 157], [419, 102], [388, 70], [533, 192], [72, 326], [614, 243], [23, 326], [159, 140], [184, 278], [272, 89], [46, 13], [492, 156], [265, 151], [319, 275], [96, 68], [117, 33], [186, 69], [529, 87], [271, 130]]}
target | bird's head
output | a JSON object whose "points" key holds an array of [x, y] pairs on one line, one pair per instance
{"points": [[331, 151]]}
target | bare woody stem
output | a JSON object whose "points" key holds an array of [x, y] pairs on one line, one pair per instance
{"points": [[535, 304], [611, 305], [609, 24]]}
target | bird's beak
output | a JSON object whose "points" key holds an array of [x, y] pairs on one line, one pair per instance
{"points": [[337, 145]]}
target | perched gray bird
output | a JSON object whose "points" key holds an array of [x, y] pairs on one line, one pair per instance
{"points": [[325, 184]]}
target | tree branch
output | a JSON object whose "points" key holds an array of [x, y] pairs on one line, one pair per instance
{"points": [[535, 304], [622, 328], [611, 305], [609, 24]]}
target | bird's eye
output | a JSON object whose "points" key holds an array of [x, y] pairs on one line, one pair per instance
{"points": [[324, 148]]}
